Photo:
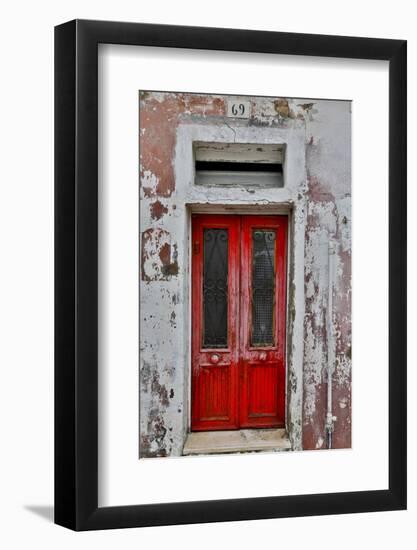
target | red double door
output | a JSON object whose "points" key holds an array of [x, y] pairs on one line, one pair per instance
{"points": [[238, 321]]}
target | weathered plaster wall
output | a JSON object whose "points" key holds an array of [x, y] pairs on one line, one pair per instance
{"points": [[316, 195], [164, 274], [328, 154]]}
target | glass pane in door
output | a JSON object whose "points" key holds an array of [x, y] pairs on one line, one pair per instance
{"points": [[263, 287], [215, 288]]}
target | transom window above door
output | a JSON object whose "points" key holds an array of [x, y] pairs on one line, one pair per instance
{"points": [[255, 165]]}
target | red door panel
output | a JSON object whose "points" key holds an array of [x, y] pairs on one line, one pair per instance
{"points": [[262, 321], [215, 291], [238, 327]]}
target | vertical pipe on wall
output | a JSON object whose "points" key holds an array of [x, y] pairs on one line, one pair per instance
{"points": [[330, 346]]}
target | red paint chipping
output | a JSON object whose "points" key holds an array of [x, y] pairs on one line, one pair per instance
{"points": [[158, 210]]}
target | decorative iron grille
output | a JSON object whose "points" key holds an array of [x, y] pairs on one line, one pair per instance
{"points": [[263, 287], [215, 288]]}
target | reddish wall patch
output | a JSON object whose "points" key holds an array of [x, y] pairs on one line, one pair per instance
{"points": [[159, 114], [318, 192], [158, 210], [313, 430], [342, 410]]}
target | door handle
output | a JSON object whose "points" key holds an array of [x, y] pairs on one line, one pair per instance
{"points": [[215, 358], [262, 356]]}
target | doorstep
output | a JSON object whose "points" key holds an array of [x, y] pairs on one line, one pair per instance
{"points": [[236, 441]]}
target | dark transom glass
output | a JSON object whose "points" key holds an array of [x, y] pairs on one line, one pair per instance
{"points": [[215, 282], [263, 287]]}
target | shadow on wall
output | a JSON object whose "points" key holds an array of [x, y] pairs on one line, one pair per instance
{"points": [[45, 512]]}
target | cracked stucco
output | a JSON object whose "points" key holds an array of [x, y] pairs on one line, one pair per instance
{"points": [[316, 195]]}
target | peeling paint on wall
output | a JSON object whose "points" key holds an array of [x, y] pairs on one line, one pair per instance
{"points": [[157, 210], [316, 194], [158, 256]]}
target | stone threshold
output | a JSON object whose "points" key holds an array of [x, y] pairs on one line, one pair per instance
{"points": [[236, 441]]}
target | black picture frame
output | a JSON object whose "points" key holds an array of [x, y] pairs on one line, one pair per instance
{"points": [[76, 272]]}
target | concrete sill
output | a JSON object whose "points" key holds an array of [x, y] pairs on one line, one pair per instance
{"points": [[236, 441]]}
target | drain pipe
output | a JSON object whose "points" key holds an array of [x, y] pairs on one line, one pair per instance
{"points": [[330, 419]]}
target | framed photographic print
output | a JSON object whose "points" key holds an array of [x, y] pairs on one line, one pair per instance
{"points": [[230, 275]]}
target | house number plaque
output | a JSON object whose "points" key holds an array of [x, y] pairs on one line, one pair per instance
{"points": [[238, 109]]}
